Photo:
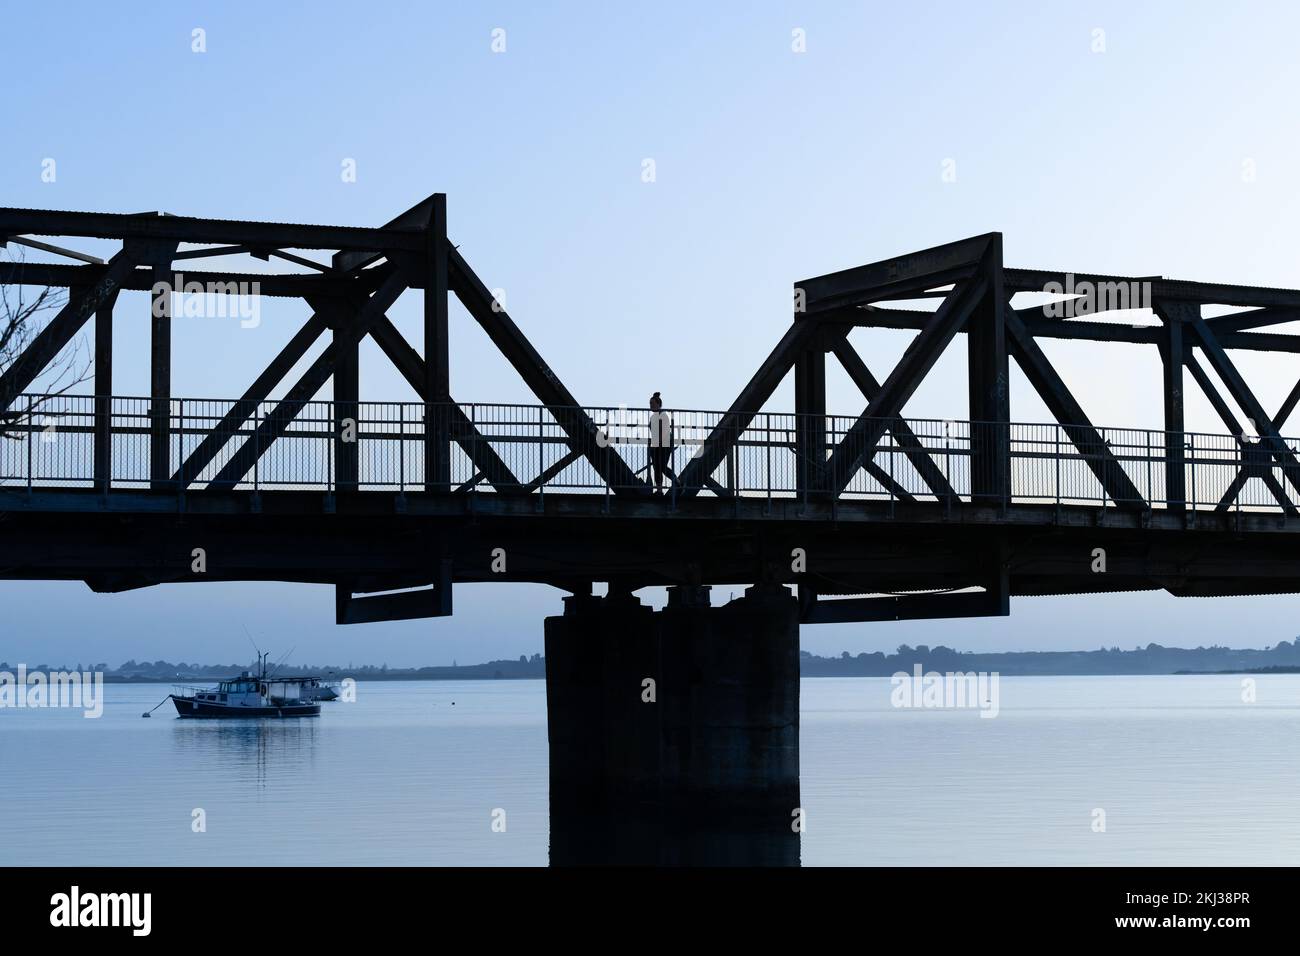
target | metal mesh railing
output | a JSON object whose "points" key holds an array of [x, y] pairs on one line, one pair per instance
{"points": [[78, 441]]}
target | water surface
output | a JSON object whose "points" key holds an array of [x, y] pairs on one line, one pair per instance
{"points": [[1185, 771]]}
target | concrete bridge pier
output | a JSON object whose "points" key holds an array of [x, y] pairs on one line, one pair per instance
{"points": [[674, 734]]}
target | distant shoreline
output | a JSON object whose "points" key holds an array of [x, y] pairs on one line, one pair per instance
{"points": [[404, 678], [367, 678], [1282, 658]]}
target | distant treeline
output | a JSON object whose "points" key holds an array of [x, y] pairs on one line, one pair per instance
{"points": [[1284, 657], [165, 672], [1152, 659]]}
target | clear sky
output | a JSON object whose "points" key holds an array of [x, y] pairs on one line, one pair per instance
{"points": [[1166, 145]]}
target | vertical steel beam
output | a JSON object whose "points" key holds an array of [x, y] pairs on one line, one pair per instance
{"points": [[347, 395], [103, 389], [1173, 357], [810, 415], [437, 364], [987, 376], [160, 375]]}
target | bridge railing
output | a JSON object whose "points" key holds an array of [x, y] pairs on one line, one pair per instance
{"points": [[106, 443]]}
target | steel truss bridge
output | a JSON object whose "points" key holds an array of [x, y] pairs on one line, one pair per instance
{"points": [[873, 515]]}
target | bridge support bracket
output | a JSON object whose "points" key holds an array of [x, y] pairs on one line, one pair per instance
{"points": [[905, 607], [434, 601]]}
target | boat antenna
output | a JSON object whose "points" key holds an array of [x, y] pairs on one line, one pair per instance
{"points": [[257, 650], [284, 657]]}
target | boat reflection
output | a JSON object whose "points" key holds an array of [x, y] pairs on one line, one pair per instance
{"points": [[268, 747]]}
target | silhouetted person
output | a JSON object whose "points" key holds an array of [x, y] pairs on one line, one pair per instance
{"points": [[661, 441]]}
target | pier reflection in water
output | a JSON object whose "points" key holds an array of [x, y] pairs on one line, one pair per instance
{"points": [[649, 836]]}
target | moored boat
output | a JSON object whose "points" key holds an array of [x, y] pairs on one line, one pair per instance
{"points": [[251, 695], [313, 688]]}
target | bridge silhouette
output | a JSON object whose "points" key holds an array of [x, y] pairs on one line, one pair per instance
{"points": [[868, 516]]}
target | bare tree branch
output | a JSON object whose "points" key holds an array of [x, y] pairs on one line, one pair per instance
{"points": [[22, 317]]}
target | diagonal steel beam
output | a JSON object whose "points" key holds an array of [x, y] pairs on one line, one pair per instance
{"points": [[279, 418], [417, 217], [238, 413], [851, 306], [1246, 399], [1203, 379], [1288, 406], [731, 425], [545, 384], [860, 439], [914, 272], [911, 446], [552, 470], [1238, 484], [1234, 488], [888, 482], [58, 332], [57, 250], [1254, 319], [1056, 396], [1279, 493], [475, 445], [1234, 428]]}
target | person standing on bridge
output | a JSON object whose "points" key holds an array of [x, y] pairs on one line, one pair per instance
{"points": [[661, 441]]}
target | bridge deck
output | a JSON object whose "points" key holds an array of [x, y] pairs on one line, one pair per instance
{"points": [[295, 517]]}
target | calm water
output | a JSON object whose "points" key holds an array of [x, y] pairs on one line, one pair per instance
{"points": [[411, 773]]}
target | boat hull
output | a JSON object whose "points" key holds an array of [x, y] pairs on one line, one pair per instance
{"points": [[189, 707]]}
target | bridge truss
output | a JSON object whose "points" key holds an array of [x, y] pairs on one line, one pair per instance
{"points": [[902, 518]]}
